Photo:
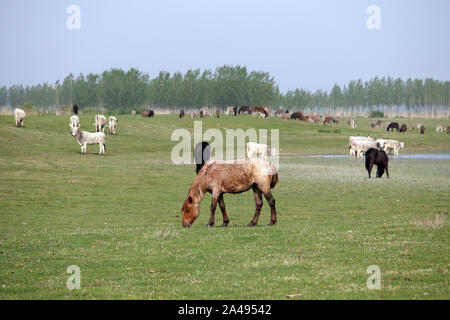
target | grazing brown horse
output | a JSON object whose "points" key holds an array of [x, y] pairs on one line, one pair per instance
{"points": [[219, 177], [181, 115], [217, 113]]}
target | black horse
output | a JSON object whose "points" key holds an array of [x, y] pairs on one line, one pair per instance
{"points": [[380, 159], [202, 152], [392, 126], [75, 109]]}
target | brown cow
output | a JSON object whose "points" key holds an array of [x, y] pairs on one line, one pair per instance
{"points": [[403, 128]]}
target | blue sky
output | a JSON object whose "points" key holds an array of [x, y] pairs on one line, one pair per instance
{"points": [[303, 44]]}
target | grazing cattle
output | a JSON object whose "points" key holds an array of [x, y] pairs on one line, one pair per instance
{"points": [[100, 123], [259, 150], [351, 123], [261, 110], [202, 115], [75, 109], [202, 152], [244, 109], [217, 113], [403, 128], [286, 115], [422, 129], [220, 177], [112, 125], [19, 116], [181, 115], [358, 145], [148, 113], [232, 109], [393, 145], [84, 138], [378, 158], [74, 121], [440, 128], [297, 115], [279, 113], [133, 113], [392, 126], [192, 114], [377, 124], [329, 120]]}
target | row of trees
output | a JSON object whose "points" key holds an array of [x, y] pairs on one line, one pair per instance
{"points": [[116, 89]]}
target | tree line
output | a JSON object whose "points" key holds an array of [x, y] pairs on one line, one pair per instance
{"points": [[116, 89]]}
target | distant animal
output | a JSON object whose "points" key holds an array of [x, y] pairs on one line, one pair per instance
{"points": [[231, 109], [220, 177], [259, 150], [329, 120], [351, 122], [148, 113], [133, 113], [360, 144], [440, 128], [262, 110], [392, 126], [411, 126], [418, 126], [316, 118], [286, 115], [100, 123], [202, 153], [378, 158], [279, 113], [112, 125], [84, 138], [181, 115], [448, 130], [19, 116], [206, 112], [244, 109], [75, 109], [202, 115], [393, 145], [377, 124], [422, 129], [297, 115], [74, 121], [311, 120], [192, 114], [403, 128], [337, 119], [217, 113]]}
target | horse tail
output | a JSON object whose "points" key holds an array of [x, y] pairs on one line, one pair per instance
{"points": [[273, 180], [202, 153]]}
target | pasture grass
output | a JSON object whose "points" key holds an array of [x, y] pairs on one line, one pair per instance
{"points": [[118, 217]]}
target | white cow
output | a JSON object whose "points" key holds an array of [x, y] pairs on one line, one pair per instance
{"points": [[112, 125], [259, 150], [393, 145], [84, 138], [360, 144], [19, 115], [74, 121], [100, 123]]}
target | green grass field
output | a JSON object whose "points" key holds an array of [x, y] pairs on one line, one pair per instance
{"points": [[118, 217]]}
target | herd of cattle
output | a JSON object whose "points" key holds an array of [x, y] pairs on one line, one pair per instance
{"points": [[358, 145]]}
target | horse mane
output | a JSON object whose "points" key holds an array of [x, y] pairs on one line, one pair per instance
{"points": [[197, 189]]}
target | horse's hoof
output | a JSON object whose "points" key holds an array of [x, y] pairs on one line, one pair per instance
{"points": [[225, 224], [271, 223], [251, 224], [208, 225]]}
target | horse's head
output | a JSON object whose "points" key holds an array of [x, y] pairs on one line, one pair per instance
{"points": [[190, 211]]}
